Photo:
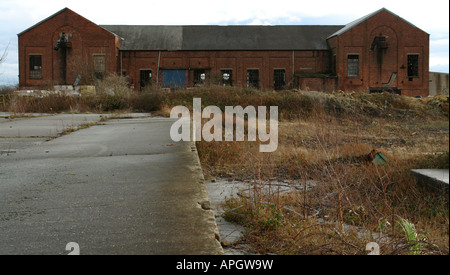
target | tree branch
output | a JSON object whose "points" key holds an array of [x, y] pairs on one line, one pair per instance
{"points": [[4, 55]]}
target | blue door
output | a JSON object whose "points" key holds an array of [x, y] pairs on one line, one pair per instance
{"points": [[174, 79]]}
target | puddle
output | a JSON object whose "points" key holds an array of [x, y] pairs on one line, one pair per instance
{"points": [[221, 190], [231, 234]]}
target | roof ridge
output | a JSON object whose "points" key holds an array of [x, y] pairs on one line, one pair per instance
{"points": [[364, 18], [133, 25], [356, 22], [57, 13], [214, 37], [43, 20]]}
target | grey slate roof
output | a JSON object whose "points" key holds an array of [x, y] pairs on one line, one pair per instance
{"points": [[306, 37], [354, 23]]}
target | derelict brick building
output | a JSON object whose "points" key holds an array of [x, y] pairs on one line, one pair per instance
{"points": [[380, 51]]}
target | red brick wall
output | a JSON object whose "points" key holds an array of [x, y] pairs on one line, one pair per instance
{"points": [[320, 84], [87, 39], [402, 39], [238, 61]]}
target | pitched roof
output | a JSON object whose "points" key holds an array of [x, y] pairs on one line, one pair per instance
{"points": [[362, 19], [42, 21], [50, 17], [307, 37], [154, 37]]}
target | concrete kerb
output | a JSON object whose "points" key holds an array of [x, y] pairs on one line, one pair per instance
{"points": [[434, 180], [205, 202]]}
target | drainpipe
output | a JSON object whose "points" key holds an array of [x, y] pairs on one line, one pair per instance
{"points": [[64, 64], [157, 70], [293, 68]]}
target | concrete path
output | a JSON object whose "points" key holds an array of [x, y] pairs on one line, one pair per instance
{"points": [[119, 187], [44, 126]]}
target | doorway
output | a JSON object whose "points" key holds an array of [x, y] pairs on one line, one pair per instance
{"points": [[174, 79]]}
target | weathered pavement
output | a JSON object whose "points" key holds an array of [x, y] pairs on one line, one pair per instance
{"points": [[119, 187]]}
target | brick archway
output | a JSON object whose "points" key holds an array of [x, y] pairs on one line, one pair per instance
{"points": [[383, 56]]}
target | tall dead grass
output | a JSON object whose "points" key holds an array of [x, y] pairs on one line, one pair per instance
{"points": [[323, 137], [113, 93], [354, 201]]}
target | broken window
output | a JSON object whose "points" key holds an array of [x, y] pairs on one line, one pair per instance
{"points": [[99, 66], [227, 79], [413, 65], [35, 66], [145, 78], [253, 78], [353, 65], [279, 79], [199, 77]]}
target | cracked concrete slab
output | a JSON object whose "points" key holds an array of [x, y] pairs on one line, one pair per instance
{"points": [[119, 187]]}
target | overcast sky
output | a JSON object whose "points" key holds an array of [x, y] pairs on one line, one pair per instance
{"points": [[432, 16]]}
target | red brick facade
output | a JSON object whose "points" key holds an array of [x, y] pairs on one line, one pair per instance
{"points": [[376, 66], [86, 41], [379, 51], [266, 62]]}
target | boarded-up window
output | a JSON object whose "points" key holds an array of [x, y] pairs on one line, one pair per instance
{"points": [[353, 65], [35, 67], [413, 65], [99, 66]]}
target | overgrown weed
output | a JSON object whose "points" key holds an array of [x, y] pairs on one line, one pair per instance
{"points": [[324, 138]]}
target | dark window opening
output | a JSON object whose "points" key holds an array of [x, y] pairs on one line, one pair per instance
{"points": [[279, 79], [35, 66], [353, 65], [413, 66], [145, 78], [253, 78], [99, 66], [227, 77], [199, 77]]}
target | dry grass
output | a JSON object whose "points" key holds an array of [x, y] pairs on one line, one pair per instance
{"points": [[355, 202], [323, 137]]}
